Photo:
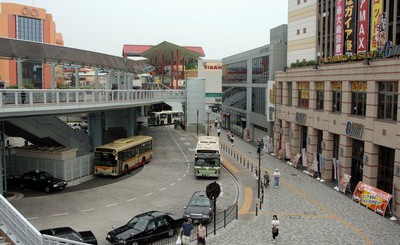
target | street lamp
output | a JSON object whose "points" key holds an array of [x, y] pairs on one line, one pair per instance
{"points": [[208, 122], [259, 168]]}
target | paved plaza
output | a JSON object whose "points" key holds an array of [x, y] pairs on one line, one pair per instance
{"points": [[310, 212]]}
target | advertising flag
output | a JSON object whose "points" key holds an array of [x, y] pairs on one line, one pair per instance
{"points": [[376, 18], [349, 26], [363, 26], [339, 27]]}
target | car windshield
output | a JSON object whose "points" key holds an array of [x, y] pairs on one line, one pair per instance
{"points": [[199, 201], [138, 224], [44, 175]]}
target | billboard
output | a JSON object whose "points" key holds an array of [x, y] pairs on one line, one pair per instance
{"points": [[339, 27], [363, 26], [372, 197], [376, 23], [349, 27]]}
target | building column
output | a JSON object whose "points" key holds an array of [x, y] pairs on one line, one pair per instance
{"points": [[312, 146], [312, 96], [131, 123], [295, 139], [53, 84], [345, 155], [119, 80], [285, 131], [76, 77], [295, 94], [371, 163], [108, 80], [95, 127], [346, 97], [327, 153], [96, 78], [20, 80], [125, 81]]}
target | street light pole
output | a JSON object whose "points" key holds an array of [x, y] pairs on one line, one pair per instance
{"points": [[197, 122], [208, 121], [259, 168]]}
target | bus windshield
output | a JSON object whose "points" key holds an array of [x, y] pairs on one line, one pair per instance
{"points": [[104, 159], [207, 162]]}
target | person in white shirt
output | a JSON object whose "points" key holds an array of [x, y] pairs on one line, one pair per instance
{"points": [[275, 227], [276, 178]]}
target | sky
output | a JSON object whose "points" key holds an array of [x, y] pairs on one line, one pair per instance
{"points": [[221, 27]]}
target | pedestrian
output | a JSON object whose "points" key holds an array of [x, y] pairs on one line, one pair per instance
{"points": [[23, 97], [276, 178], [186, 230], [216, 122], [232, 140], [218, 131], [256, 178], [266, 179], [275, 227], [228, 134], [201, 233]]}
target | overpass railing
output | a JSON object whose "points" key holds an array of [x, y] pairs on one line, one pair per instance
{"points": [[51, 97]]}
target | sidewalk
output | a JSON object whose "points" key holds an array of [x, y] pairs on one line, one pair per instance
{"points": [[310, 212]]}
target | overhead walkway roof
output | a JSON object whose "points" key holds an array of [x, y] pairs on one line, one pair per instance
{"points": [[14, 48]]}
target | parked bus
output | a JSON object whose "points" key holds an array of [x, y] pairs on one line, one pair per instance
{"points": [[165, 117], [123, 155], [207, 157]]}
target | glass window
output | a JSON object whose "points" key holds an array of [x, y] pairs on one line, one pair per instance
{"points": [[358, 98], [303, 94], [336, 96], [385, 171], [29, 29], [260, 71], [290, 93], [387, 100], [235, 73], [258, 100], [319, 87]]}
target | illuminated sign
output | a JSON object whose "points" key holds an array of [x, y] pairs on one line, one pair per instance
{"points": [[363, 25], [376, 17], [339, 27], [349, 26]]}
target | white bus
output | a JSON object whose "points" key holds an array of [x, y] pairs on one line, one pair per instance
{"points": [[207, 157], [165, 117]]}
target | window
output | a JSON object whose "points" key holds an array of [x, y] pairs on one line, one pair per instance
{"points": [[235, 73], [387, 100], [358, 98], [258, 100], [319, 87], [336, 96], [385, 172], [304, 30], [290, 93], [260, 70], [303, 94], [29, 29]]}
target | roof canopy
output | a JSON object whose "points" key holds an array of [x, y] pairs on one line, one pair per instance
{"points": [[155, 53]]}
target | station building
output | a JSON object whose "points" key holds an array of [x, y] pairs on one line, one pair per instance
{"points": [[31, 24], [248, 107], [342, 112]]}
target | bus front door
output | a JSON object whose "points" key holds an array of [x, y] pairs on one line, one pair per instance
{"points": [[169, 119]]}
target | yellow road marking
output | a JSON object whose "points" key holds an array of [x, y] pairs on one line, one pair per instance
{"points": [[247, 200], [229, 166]]}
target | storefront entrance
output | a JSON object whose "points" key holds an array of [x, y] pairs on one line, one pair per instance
{"points": [[357, 163]]}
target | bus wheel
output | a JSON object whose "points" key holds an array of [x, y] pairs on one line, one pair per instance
{"points": [[126, 169]]}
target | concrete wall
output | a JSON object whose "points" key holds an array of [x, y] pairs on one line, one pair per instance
{"points": [[195, 89]]}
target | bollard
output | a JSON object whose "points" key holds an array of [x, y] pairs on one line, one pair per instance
{"points": [[240, 159], [260, 204], [256, 209], [237, 157], [247, 164], [251, 168]]}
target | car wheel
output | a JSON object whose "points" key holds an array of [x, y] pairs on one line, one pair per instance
{"points": [[47, 189], [171, 232], [21, 186], [209, 219]]}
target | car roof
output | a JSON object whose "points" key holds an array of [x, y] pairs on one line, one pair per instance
{"points": [[199, 194], [58, 230], [150, 215]]}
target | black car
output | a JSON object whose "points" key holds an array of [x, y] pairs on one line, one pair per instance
{"points": [[39, 180], [146, 227], [199, 208], [71, 234]]}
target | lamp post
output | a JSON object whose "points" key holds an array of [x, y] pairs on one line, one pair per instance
{"points": [[259, 168], [208, 122], [197, 122]]}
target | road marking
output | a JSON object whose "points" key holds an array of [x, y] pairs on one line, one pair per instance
{"points": [[32, 218], [87, 210], [229, 166], [61, 214], [187, 171], [184, 174], [172, 184], [132, 199], [112, 204], [148, 194], [162, 189], [180, 179], [247, 200]]}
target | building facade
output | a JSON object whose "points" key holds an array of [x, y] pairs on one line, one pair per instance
{"points": [[31, 24], [248, 108], [211, 70], [342, 114]]}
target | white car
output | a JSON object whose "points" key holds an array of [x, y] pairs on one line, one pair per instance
{"points": [[75, 126]]}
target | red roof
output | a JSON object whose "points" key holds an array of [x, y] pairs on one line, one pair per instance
{"points": [[137, 50]]}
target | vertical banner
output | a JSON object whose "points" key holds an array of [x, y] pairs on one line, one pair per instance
{"points": [[363, 26], [376, 17], [349, 26], [339, 27], [304, 157]]}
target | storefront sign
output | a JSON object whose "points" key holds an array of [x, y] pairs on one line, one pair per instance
{"points": [[372, 197], [339, 27], [301, 118], [363, 25], [212, 66], [354, 129], [349, 26]]}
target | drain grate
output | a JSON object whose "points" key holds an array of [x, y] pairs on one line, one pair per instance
{"points": [[293, 174]]}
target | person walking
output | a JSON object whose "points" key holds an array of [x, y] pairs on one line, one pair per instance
{"points": [[275, 227], [277, 174], [266, 179], [228, 134], [218, 131], [232, 140], [216, 122], [201, 233], [186, 230]]}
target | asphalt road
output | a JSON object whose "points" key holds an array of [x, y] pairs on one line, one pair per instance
{"points": [[165, 184]]}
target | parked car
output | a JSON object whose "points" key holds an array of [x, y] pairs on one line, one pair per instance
{"points": [[146, 227], [71, 234], [75, 126], [199, 208], [39, 180]]}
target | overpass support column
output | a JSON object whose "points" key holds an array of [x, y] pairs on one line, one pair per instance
{"points": [[119, 80], [96, 78], [125, 83], [131, 124], [95, 127], [76, 77], [20, 80], [53, 84]]}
